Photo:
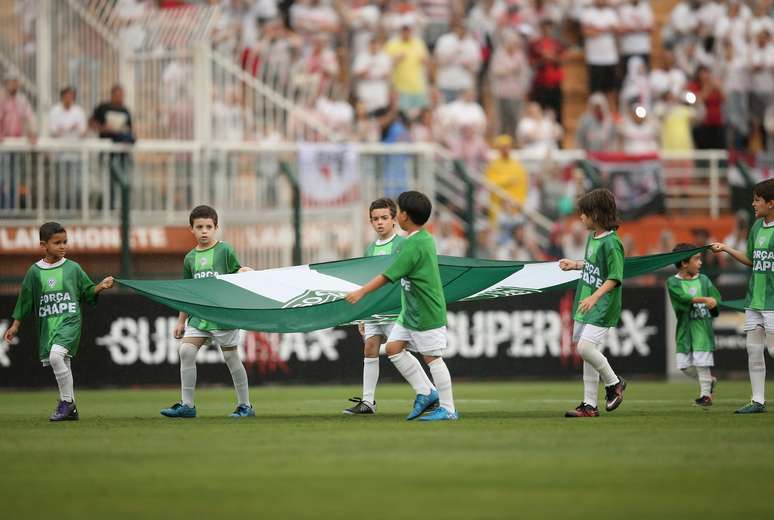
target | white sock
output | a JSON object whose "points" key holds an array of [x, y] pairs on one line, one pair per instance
{"points": [[770, 343], [64, 376], [596, 359], [412, 371], [383, 349], [442, 379], [238, 375], [188, 373], [590, 385], [370, 378], [690, 372], [756, 364], [428, 381], [705, 381]]}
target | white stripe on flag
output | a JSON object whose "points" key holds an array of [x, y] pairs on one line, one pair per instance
{"points": [[535, 277], [286, 283]]}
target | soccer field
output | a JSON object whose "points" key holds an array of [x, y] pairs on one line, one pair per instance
{"points": [[511, 455]]}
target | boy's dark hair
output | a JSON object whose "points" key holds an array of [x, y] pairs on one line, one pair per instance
{"points": [[683, 246], [764, 190], [203, 212], [50, 229], [599, 206], [384, 203], [416, 205]]}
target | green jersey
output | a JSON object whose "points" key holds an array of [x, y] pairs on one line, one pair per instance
{"points": [[390, 247], [423, 306], [213, 261], [53, 293], [694, 320], [604, 261], [760, 249]]}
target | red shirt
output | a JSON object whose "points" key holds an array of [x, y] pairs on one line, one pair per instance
{"points": [[545, 56], [713, 104]]}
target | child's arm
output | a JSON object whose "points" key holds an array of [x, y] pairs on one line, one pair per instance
{"points": [[615, 264], [587, 303], [180, 327], [12, 331], [739, 256], [107, 283], [571, 265], [374, 284], [21, 310]]}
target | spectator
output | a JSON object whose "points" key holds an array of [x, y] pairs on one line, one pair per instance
{"points": [[372, 69], [468, 146], [17, 119], [546, 58], [762, 78], [520, 246], [638, 133], [366, 128], [463, 112], [438, 14], [362, 18], [313, 17], [596, 128], [692, 55], [710, 132], [448, 239], [67, 121], [636, 25], [600, 23], [319, 62], [735, 72], [636, 85], [732, 25], [683, 22], [509, 79], [112, 120], [574, 241], [508, 174], [676, 125], [458, 57], [409, 76], [423, 129], [538, 131], [668, 78]]}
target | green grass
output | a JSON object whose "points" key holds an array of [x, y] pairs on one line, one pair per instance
{"points": [[511, 455]]}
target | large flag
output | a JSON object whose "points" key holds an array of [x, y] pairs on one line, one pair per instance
{"points": [[310, 297]]}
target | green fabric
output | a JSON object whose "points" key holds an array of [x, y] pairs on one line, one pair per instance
{"points": [[760, 249], [207, 263], [694, 320], [423, 306], [54, 296], [604, 261], [389, 248]]}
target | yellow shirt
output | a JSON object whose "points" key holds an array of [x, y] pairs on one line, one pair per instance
{"points": [[511, 177], [676, 129], [408, 74]]}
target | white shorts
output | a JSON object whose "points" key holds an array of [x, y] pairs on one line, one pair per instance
{"points": [[47, 363], [378, 329], [695, 359], [220, 338], [426, 342], [754, 319], [588, 332]]}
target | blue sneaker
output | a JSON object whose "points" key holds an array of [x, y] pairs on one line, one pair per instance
{"points": [[243, 410], [752, 407], [440, 414], [179, 410], [422, 403]]}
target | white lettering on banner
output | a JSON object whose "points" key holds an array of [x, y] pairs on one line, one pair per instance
{"points": [[310, 346], [88, 237], [530, 334]]}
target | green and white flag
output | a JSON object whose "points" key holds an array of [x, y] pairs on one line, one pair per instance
{"points": [[310, 297]]}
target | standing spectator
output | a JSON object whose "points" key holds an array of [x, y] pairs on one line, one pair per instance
{"points": [[510, 75], [762, 78], [67, 121], [636, 26], [546, 57], [683, 22], [710, 132], [507, 174], [637, 132], [409, 76], [667, 78], [636, 85], [691, 55], [600, 24], [438, 14], [596, 128], [732, 25], [735, 72], [313, 17], [676, 125], [112, 120], [538, 130], [17, 119], [458, 56], [372, 69]]}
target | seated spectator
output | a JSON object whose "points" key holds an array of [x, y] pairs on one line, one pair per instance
{"points": [[709, 132], [636, 25], [638, 132], [458, 58], [596, 128], [409, 74], [372, 69], [546, 59], [509, 80], [112, 120], [600, 23], [508, 174], [538, 131]]}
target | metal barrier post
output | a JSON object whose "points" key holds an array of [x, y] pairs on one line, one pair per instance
{"points": [[293, 180], [119, 175], [470, 207]]}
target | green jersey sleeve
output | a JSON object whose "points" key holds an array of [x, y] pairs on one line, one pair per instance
{"points": [[86, 287], [681, 301], [751, 239], [232, 263], [24, 302], [404, 263], [615, 261], [187, 272]]}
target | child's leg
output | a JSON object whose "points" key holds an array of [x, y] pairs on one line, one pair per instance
{"points": [[704, 375], [371, 367], [588, 348], [64, 376], [590, 385], [443, 382], [238, 374], [408, 366], [756, 363], [188, 350]]}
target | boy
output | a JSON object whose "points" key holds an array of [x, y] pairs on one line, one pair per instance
{"points": [[53, 290], [382, 214], [759, 303], [210, 257], [421, 326], [695, 302], [597, 300]]}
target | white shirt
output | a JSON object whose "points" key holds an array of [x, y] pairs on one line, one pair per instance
{"points": [[452, 116], [762, 80], [601, 49], [639, 139], [364, 23], [640, 18], [458, 60], [374, 89], [67, 124]]}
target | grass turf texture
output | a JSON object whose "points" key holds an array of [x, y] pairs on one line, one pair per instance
{"points": [[511, 455]]}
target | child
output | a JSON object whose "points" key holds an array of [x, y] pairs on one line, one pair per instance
{"points": [[597, 300], [695, 301], [382, 217], [421, 326], [759, 303], [210, 257], [53, 290]]}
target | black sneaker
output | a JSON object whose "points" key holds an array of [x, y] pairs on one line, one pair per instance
{"points": [[361, 407], [614, 394], [583, 410], [65, 412], [704, 401]]}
